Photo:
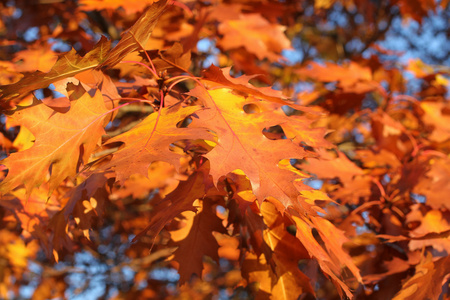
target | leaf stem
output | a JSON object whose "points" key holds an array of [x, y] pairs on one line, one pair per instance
{"points": [[182, 6], [153, 71], [146, 54]]}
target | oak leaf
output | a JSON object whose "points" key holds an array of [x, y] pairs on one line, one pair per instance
{"points": [[352, 78], [100, 56], [329, 166], [427, 281], [161, 177], [35, 58], [136, 36], [67, 65], [199, 241], [172, 59], [433, 221], [327, 236], [242, 145], [150, 140], [62, 142], [287, 251], [178, 201], [256, 270], [437, 115], [131, 6], [256, 35], [242, 84]]}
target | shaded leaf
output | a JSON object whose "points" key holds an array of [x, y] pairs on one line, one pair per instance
{"points": [[139, 32], [67, 65], [100, 56], [199, 242], [150, 141]]}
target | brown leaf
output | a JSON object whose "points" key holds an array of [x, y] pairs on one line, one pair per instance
{"points": [[178, 201], [199, 242], [287, 251]]}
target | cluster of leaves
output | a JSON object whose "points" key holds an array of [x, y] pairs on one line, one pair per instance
{"points": [[135, 157]]}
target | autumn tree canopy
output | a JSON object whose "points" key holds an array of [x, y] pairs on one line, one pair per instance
{"points": [[225, 149]]}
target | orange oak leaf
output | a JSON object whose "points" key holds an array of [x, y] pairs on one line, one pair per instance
{"points": [[351, 79], [241, 84], [84, 191], [139, 33], [427, 281], [287, 252], [242, 145], [67, 65], [178, 201], [435, 183], [437, 115], [161, 176], [255, 269], [32, 212], [199, 241], [433, 221], [24, 140], [100, 56], [62, 142], [150, 141], [229, 246], [172, 59], [270, 285], [35, 58], [330, 238], [256, 35], [329, 166], [130, 6], [276, 235]]}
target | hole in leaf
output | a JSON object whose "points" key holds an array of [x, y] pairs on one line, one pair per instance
{"points": [[80, 158], [291, 229], [289, 111], [274, 133], [3, 172], [50, 169], [317, 236], [306, 147], [39, 94], [251, 108], [184, 123]]}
